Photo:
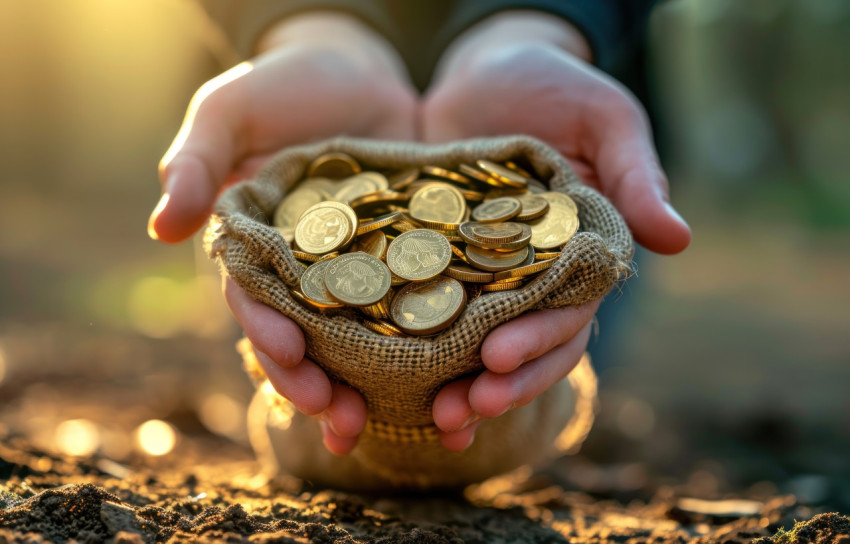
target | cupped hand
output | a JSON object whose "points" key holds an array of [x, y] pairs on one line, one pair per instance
{"points": [[528, 73], [318, 75]]}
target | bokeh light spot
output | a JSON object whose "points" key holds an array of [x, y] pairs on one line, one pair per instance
{"points": [[156, 437], [2, 364], [636, 419], [222, 415], [79, 437]]}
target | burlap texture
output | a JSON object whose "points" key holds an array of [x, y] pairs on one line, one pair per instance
{"points": [[399, 377]]}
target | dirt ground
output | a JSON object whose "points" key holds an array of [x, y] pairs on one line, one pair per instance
{"points": [[208, 487], [57, 499]]}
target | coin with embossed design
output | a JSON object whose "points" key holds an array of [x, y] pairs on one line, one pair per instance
{"points": [[294, 204], [428, 307], [313, 285], [419, 254], [498, 209], [325, 227], [438, 202], [558, 226], [357, 279]]}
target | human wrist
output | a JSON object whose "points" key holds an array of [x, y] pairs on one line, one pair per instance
{"points": [[515, 27], [332, 29]]}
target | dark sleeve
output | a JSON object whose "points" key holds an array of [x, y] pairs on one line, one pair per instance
{"points": [[244, 21], [611, 27]]}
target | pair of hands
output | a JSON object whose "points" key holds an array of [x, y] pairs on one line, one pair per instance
{"points": [[323, 74]]}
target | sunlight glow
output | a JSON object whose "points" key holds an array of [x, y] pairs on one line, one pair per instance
{"points": [[156, 437], [2, 364], [202, 94], [222, 415], [79, 437]]}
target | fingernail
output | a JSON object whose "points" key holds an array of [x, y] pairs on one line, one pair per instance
{"points": [[471, 440], [672, 211], [163, 202], [325, 417], [469, 421], [508, 409]]}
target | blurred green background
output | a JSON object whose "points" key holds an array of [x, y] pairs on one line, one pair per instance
{"points": [[733, 361]]}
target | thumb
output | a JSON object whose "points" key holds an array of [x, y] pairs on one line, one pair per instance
{"points": [[631, 176], [196, 165]]}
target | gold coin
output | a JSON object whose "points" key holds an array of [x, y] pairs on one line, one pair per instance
{"points": [[357, 279], [494, 233], [467, 273], [478, 175], [518, 169], [442, 173], [333, 166], [360, 184], [382, 327], [428, 307], [536, 187], [299, 296], [294, 204], [533, 207], [419, 254], [300, 255], [406, 225], [325, 227], [374, 243], [496, 210], [466, 233], [560, 199], [472, 196], [458, 252], [327, 187], [495, 261], [377, 202], [397, 280], [379, 222], [503, 174], [451, 235], [547, 255], [381, 309], [525, 270], [437, 225], [328, 256], [402, 180], [557, 227], [501, 286], [438, 202], [288, 233], [313, 285]]}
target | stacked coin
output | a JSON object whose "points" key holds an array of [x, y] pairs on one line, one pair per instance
{"points": [[410, 248]]}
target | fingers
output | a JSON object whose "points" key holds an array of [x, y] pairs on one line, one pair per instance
{"points": [[493, 394], [270, 331], [451, 408], [630, 175], [195, 166], [305, 385], [531, 335], [459, 440], [344, 420]]}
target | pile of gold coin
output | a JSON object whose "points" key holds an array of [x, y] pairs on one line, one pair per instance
{"points": [[411, 248]]}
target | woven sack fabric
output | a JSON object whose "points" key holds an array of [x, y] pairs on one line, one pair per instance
{"points": [[399, 376]]}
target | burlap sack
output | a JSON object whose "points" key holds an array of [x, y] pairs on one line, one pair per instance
{"points": [[399, 377]]}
